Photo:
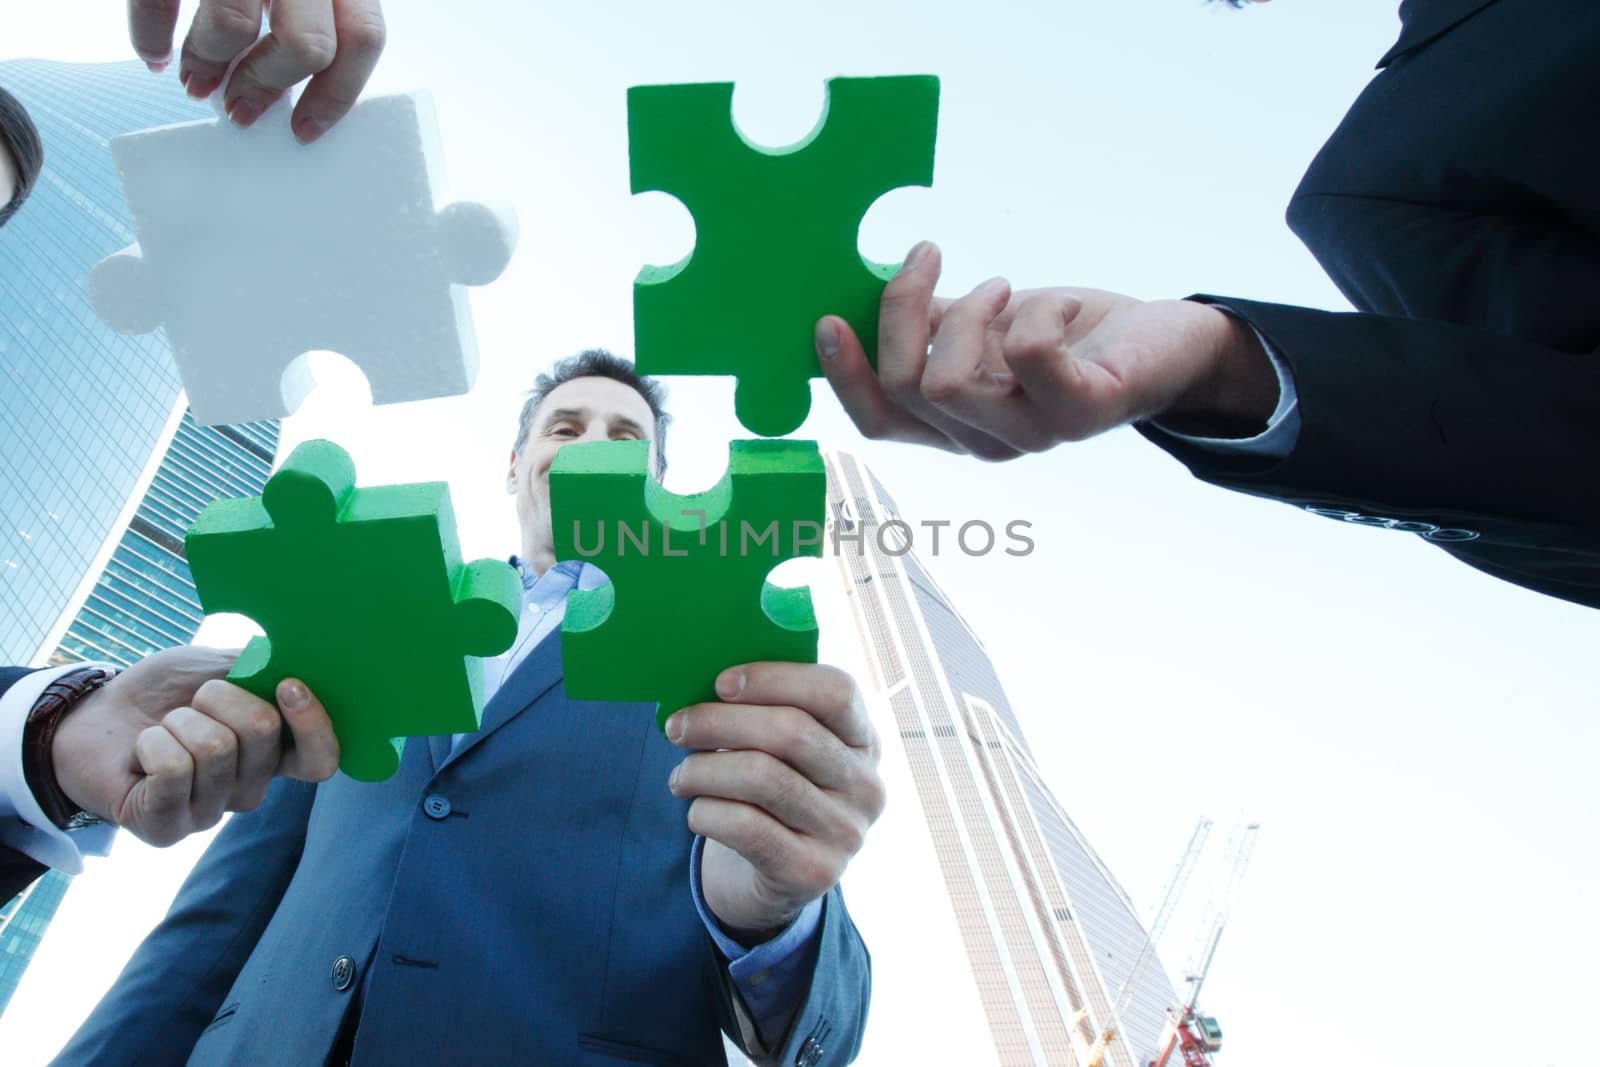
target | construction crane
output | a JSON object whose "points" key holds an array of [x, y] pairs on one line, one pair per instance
{"points": [[1198, 1036], [1169, 901]]}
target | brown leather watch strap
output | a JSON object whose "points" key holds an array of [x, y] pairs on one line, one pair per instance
{"points": [[38, 766]]}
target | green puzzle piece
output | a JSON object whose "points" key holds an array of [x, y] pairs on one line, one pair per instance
{"points": [[363, 596], [775, 233], [688, 596]]}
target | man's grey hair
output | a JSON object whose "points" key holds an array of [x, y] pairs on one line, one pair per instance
{"points": [[598, 363]]}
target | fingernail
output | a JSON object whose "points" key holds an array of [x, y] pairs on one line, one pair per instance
{"points": [[244, 111], [730, 684], [918, 253], [672, 779], [308, 129], [293, 695], [827, 339], [675, 731], [156, 65]]}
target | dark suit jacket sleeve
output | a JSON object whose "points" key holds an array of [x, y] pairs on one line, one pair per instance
{"points": [[172, 987], [17, 870], [1438, 424], [829, 1026]]}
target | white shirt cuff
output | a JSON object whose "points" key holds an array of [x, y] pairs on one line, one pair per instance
{"points": [[1283, 428], [23, 824]]}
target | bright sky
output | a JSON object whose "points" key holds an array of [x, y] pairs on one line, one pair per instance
{"points": [[1415, 737]]}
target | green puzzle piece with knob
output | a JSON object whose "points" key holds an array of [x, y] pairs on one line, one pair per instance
{"points": [[776, 233], [688, 595], [363, 596]]}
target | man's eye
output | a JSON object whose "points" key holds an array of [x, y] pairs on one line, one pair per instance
{"points": [[563, 431]]}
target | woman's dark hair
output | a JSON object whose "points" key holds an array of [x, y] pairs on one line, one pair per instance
{"points": [[20, 137]]}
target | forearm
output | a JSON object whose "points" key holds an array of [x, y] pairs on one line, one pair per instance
{"points": [[24, 825], [1238, 391], [1426, 415], [769, 971]]}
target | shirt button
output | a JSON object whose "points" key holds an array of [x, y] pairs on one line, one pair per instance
{"points": [[759, 977], [343, 973], [437, 806]]}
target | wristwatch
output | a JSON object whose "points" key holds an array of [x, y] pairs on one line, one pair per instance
{"points": [[38, 735]]}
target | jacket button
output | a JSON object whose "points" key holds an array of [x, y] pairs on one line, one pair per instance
{"points": [[1452, 535], [437, 805], [343, 973]]}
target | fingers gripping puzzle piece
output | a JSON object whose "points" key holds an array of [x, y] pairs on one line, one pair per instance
{"points": [[688, 596], [254, 249], [363, 596], [775, 233]]}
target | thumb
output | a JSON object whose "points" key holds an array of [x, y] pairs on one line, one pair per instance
{"points": [[314, 754]]}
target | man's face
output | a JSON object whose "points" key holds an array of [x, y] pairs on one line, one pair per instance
{"points": [[584, 409]]}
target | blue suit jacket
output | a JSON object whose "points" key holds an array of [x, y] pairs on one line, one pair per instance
{"points": [[524, 901]]}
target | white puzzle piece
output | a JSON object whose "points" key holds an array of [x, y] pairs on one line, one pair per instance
{"points": [[255, 249]]}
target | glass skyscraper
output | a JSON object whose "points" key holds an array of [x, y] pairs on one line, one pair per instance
{"points": [[1050, 937], [92, 421], [83, 410]]}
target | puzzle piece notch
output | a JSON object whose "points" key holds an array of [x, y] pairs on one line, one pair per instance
{"points": [[777, 232], [348, 582], [254, 249], [634, 639]]}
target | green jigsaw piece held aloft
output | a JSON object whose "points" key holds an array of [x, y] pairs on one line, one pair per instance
{"points": [[363, 596], [688, 596], [776, 233]]}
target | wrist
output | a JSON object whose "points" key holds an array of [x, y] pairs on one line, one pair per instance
{"points": [[750, 937], [40, 737], [1236, 392], [750, 926]]}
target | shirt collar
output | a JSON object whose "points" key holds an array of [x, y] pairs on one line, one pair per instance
{"points": [[567, 572]]}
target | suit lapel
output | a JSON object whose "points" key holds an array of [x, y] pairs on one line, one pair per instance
{"points": [[1423, 20], [537, 674]]}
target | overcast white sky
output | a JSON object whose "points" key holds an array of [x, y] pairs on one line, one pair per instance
{"points": [[1416, 738]]}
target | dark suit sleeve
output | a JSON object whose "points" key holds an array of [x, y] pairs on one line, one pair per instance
{"points": [[1414, 424], [176, 980], [829, 1026], [17, 870]]}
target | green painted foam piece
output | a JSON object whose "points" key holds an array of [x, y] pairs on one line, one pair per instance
{"points": [[363, 596], [776, 233], [688, 596]]}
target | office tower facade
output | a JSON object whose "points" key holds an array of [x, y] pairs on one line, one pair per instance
{"points": [[1050, 937], [84, 412], [143, 600], [23, 920], [103, 472]]}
